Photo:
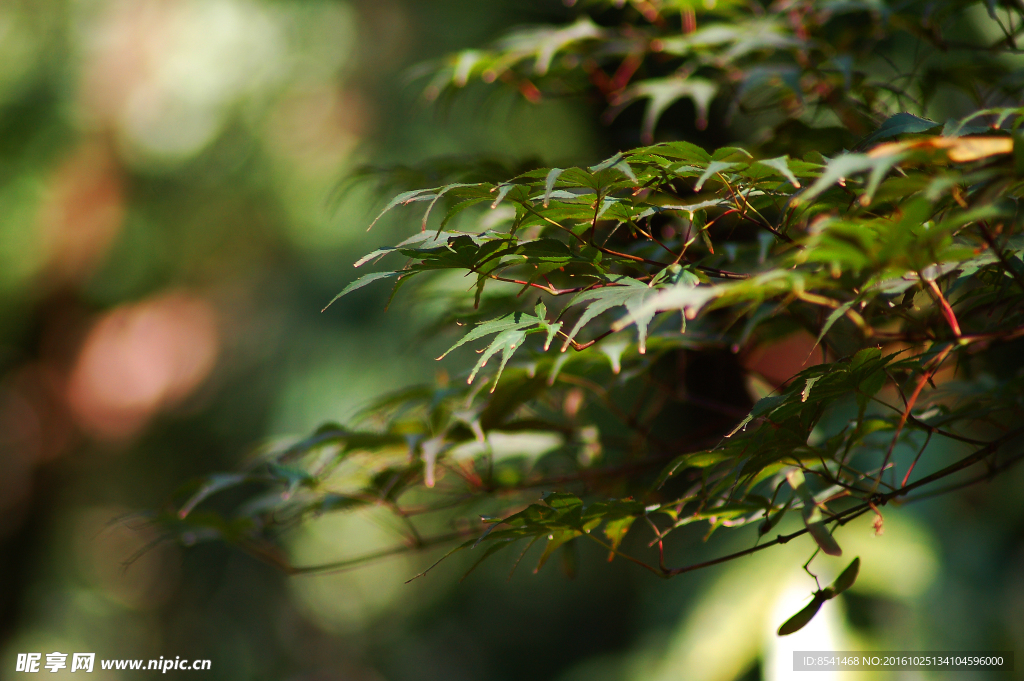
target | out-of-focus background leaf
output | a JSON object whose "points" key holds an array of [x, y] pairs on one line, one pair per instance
{"points": [[172, 219]]}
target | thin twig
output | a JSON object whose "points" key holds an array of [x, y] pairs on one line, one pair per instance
{"points": [[991, 241]]}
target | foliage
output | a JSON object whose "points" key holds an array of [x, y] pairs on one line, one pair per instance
{"points": [[596, 289]]}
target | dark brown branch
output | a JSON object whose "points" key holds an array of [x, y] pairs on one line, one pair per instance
{"points": [[849, 514]]}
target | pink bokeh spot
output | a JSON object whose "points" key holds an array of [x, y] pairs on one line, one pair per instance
{"points": [[138, 359]]}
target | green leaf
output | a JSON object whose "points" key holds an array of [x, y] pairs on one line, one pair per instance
{"points": [[797, 481], [503, 191], [429, 450], [871, 385], [806, 392], [813, 519], [864, 357], [337, 502], [437, 197], [555, 540], [781, 164], [832, 318], [546, 250], [360, 283], [291, 475], [626, 292], [802, 618], [714, 168], [836, 170], [213, 484], [404, 198], [549, 184], [1018, 153], [506, 343], [457, 209], [616, 163], [819, 532], [615, 531], [684, 296], [543, 43], [772, 520], [515, 321], [900, 124], [878, 173], [685, 151], [663, 92], [763, 407], [496, 546], [562, 501], [701, 459], [613, 350], [420, 242], [846, 579]]}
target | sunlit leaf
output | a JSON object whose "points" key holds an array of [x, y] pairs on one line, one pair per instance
{"points": [[627, 293], [781, 164], [616, 531]]}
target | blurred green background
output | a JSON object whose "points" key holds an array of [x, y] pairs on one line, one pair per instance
{"points": [[171, 225]]}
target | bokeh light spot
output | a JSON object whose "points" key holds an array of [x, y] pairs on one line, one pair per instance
{"points": [[140, 358]]}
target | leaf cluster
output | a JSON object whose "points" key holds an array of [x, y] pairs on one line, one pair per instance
{"points": [[589, 286]]}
